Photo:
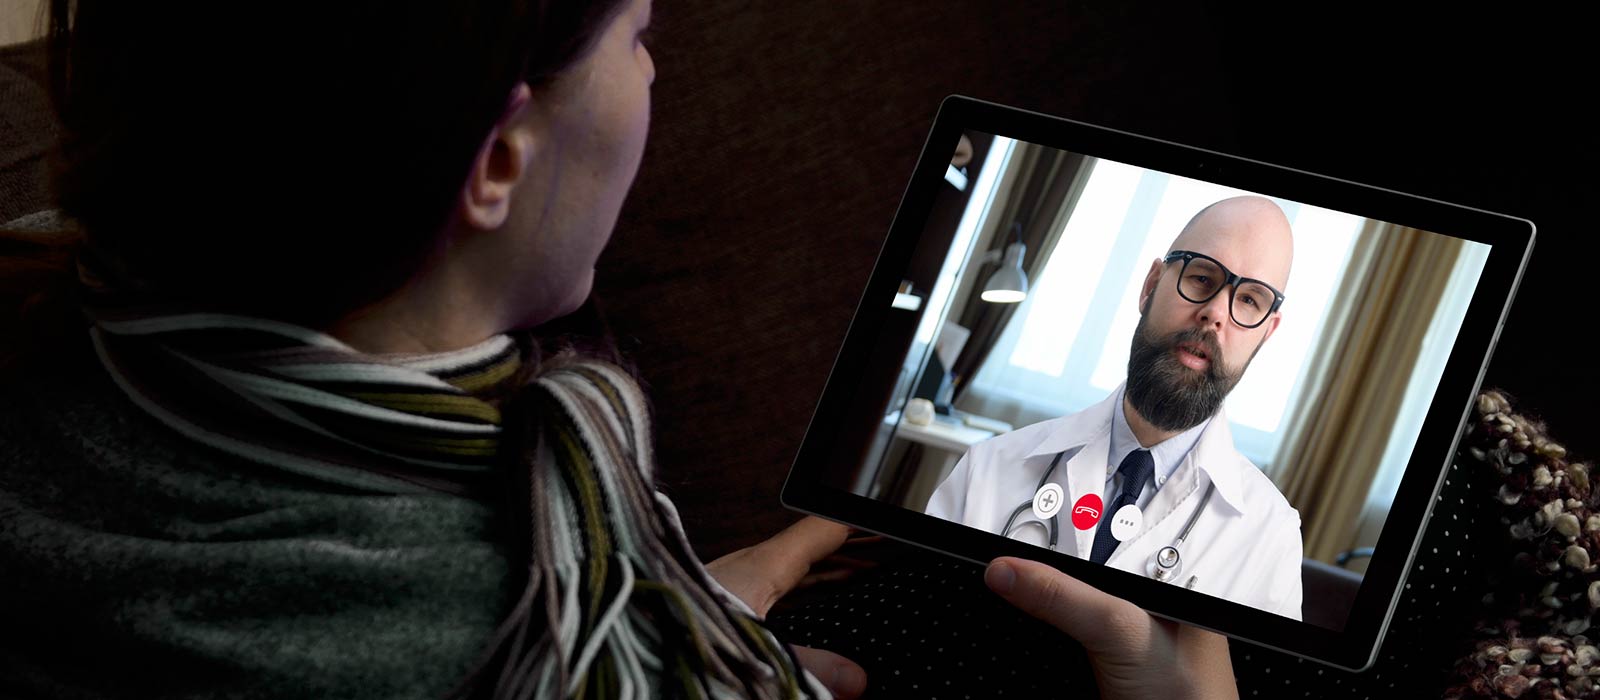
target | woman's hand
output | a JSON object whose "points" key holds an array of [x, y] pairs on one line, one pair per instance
{"points": [[761, 574], [1134, 654]]}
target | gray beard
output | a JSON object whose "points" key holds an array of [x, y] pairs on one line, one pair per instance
{"points": [[1169, 395]]}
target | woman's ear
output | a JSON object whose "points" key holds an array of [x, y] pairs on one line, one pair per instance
{"points": [[502, 162]]}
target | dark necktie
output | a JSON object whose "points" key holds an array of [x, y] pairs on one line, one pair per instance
{"points": [[1136, 469]]}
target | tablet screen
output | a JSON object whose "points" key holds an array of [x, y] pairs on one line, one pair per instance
{"points": [[1212, 387]]}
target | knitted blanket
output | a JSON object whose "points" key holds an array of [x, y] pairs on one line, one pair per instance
{"points": [[1536, 636]]}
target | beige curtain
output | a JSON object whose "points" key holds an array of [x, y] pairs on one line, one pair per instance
{"points": [[1357, 379]]}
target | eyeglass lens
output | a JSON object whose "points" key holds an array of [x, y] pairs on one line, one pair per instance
{"points": [[1203, 279]]}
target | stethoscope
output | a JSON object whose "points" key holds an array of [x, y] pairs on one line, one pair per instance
{"points": [[1164, 565]]}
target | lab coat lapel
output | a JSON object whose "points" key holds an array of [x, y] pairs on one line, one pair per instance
{"points": [[1164, 505], [1216, 457], [1086, 474]]}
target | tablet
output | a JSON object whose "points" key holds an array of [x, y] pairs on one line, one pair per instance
{"points": [[1224, 390]]}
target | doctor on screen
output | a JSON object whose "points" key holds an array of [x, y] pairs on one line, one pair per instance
{"points": [[1148, 480]]}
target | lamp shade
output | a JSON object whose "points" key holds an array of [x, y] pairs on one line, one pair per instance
{"points": [[1009, 284]]}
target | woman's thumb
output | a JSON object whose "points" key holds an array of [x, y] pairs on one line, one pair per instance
{"points": [[1082, 611]]}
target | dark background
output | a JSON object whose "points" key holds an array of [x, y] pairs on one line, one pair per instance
{"points": [[783, 134]]}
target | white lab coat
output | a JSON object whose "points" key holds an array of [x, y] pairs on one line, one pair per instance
{"points": [[1245, 547]]}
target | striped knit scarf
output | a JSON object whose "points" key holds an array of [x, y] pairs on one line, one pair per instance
{"points": [[615, 603]]}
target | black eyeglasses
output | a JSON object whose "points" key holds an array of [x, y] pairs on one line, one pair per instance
{"points": [[1250, 301]]}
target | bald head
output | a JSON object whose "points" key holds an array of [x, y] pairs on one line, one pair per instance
{"points": [[1248, 234]]}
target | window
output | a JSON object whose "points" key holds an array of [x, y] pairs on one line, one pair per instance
{"points": [[1067, 346]]}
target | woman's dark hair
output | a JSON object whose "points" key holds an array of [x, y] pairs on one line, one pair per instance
{"points": [[291, 164]]}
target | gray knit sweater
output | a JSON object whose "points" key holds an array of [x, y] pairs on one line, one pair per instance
{"points": [[136, 563]]}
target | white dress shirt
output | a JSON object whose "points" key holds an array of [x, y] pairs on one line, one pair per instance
{"points": [[1167, 454]]}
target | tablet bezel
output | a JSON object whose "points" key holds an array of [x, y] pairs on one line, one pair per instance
{"points": [[1356, 646]]}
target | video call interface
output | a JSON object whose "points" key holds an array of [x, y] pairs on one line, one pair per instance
{"points": [[1215, 388]]}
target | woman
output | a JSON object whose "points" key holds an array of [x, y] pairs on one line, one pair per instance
{"points": [[308, 444]]}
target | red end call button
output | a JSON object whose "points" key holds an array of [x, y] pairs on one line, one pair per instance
{"points": [[1086, 512]]}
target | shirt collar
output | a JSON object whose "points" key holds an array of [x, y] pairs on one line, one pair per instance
{"points": [[1167, 454], [1212, 451]]}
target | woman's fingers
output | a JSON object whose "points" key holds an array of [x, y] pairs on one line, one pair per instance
{"points": [[843, 677], [761, 574], [808, 541], [1134, 655], [830, 576]]}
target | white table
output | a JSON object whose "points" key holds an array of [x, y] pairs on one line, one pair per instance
{"points": [[949, 437], [944, 433]]}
